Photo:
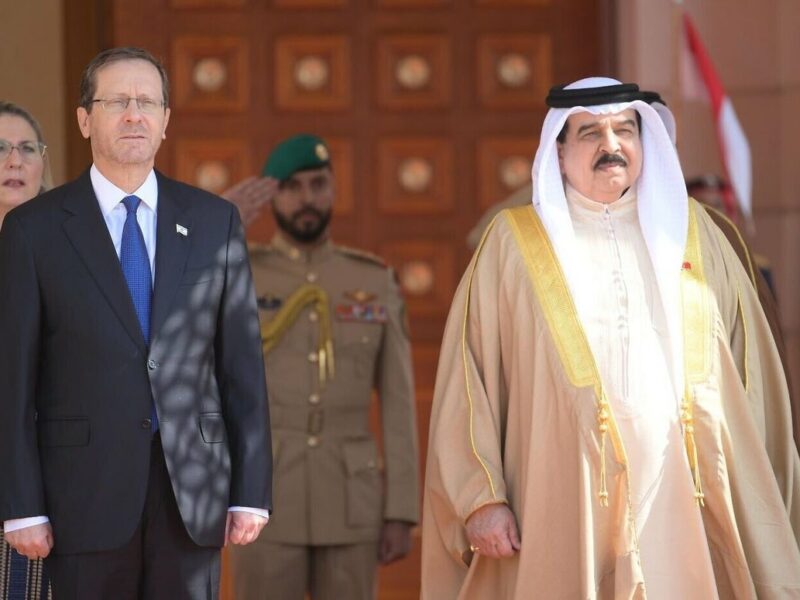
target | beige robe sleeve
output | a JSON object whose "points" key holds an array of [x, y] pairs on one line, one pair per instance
{"points": [[759, 366], [465, 464], [398, 416], [767, 299]]}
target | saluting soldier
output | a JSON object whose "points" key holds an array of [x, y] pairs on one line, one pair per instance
{"points": [[333, 328]]}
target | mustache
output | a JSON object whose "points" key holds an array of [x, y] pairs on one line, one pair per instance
{"points": [[610, 159]]}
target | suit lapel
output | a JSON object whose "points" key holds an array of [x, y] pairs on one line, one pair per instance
{"points": [[172, 249], [88, 233]]}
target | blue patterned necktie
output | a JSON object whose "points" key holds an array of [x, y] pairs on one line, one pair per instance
{"points": [[136, 268]]}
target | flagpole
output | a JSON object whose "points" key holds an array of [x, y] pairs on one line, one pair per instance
{"points": [[676, 100]]}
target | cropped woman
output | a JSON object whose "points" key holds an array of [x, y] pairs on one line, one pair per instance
{"points": [[24, 173]]}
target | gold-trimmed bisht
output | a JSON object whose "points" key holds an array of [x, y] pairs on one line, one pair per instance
{"points": [[307, 294], [466, 360], [549, 283]]}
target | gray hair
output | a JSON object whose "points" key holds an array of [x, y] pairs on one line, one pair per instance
{"points": [[88, 85]]}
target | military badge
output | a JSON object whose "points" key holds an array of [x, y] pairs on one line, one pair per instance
{"points": [[322, 152], [360, 296], [362, 313], [268, 302]]}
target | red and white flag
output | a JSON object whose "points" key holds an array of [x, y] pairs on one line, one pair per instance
{"points": [[701, 80]]}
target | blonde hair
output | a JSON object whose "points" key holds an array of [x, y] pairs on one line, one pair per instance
{"points": [[15, 110]]}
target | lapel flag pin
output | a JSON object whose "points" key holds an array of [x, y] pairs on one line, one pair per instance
{"points": [[182, 230]]}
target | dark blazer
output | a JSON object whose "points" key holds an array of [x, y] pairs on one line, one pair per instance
{"points": [[77, 379]]}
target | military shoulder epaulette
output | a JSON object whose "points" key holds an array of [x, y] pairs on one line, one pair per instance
{"points": [[363, 255]]}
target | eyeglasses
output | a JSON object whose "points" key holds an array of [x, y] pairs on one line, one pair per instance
{"points": [[117, 106], [28, 151]]}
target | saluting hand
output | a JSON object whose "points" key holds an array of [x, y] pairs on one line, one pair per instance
{"points": [[251, 195], [243, 527], [492, 531], [33, 542]]}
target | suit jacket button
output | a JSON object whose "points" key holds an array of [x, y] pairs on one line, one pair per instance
{"points": [[146, 423], [313, 441], [151, 364]]}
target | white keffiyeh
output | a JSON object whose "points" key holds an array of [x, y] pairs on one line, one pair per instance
{"points": [[662, 207]]}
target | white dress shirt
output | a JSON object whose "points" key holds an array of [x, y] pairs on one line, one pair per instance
{"points": [[114, 212], [110, 197]]}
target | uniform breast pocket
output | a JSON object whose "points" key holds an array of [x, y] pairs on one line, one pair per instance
{"points": [[360, 343], [364, 498]]}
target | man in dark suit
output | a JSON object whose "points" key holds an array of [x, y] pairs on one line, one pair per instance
{"points": [[134, 432]]}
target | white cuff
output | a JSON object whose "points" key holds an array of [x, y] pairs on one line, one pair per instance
{"points": [[14, 524], [256, 511]]}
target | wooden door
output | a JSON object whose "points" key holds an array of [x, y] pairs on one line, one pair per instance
{"points": [[432, 109]]}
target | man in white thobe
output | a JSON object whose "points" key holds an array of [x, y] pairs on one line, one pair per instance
{"points": [[610, 419]]}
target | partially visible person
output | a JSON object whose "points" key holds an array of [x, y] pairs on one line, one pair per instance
{"points": [[25, 174], [709, 190], [520, 197], [712, 190], [610, 417], [333, 326], [23, 158], [134, 438], [523, 195], [715, 193]]}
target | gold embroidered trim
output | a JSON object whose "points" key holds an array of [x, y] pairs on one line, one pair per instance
{"points": [[562, 318], [559, 310], [696, 336], [466, 361], [306, 294]]}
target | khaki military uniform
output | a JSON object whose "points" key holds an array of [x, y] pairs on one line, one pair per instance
{"points": [[332, 490]]}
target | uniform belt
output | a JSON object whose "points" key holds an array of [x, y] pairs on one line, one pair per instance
{"points": [[316, 420]]}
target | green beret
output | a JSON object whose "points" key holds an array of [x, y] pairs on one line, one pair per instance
{"points": [[298, 153]]}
